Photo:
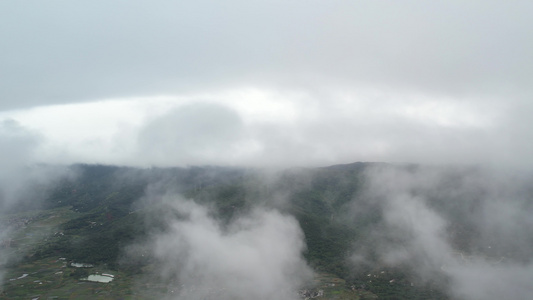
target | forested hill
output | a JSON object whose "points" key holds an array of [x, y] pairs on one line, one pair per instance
{"points": [[369, 224], [113, 196]]}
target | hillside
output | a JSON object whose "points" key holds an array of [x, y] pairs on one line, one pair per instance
{"points": [[357, 247]]}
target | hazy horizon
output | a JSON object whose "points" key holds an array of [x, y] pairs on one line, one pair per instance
{"points": [[267, 84]]}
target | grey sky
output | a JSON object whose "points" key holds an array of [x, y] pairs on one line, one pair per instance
{"points": [[439, 82]]}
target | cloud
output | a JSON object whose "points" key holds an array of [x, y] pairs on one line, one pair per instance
{"points": [[252, 127], [70, 51], [483, 280], [16, 151], [254, 256], [23, 183], [198, 133], [469, 228], [328, 82], [23, 176]]}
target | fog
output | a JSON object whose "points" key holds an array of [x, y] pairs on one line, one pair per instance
{"points": [[257, 255], [466, 229], [23, 183], [197, 134], [306, 83], [445, 86]]}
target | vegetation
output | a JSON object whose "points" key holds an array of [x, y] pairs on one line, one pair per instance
{"points": [[102, 211]]}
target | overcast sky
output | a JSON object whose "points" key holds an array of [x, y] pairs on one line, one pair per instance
{"points": [[267, 82]]}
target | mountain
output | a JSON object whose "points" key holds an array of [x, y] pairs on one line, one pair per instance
{"points": [[369, 230]]}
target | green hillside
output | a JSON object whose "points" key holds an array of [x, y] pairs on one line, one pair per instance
{"points": [[94, 218]]}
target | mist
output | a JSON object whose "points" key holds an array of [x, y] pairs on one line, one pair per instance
{"points": [[327, 83], [299, 85], [466, 230], [199, 255], [24, 183]]}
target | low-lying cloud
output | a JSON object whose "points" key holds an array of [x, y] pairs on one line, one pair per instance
{"points": [[469, 229], [23, 183], [254, 256], [193, 134]]}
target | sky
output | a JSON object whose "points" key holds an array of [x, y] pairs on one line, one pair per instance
{"points": [[267, 83]]}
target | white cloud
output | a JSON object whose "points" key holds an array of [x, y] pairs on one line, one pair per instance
{"points": [[256, 256], [465, 229], [279, 127], [312, 82], [22, 183]]}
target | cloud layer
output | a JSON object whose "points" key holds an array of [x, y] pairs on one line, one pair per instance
{"points": [[291, 130], [23, 184], [302, 83], [469, 228], [64, 54], [255, 256]]}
